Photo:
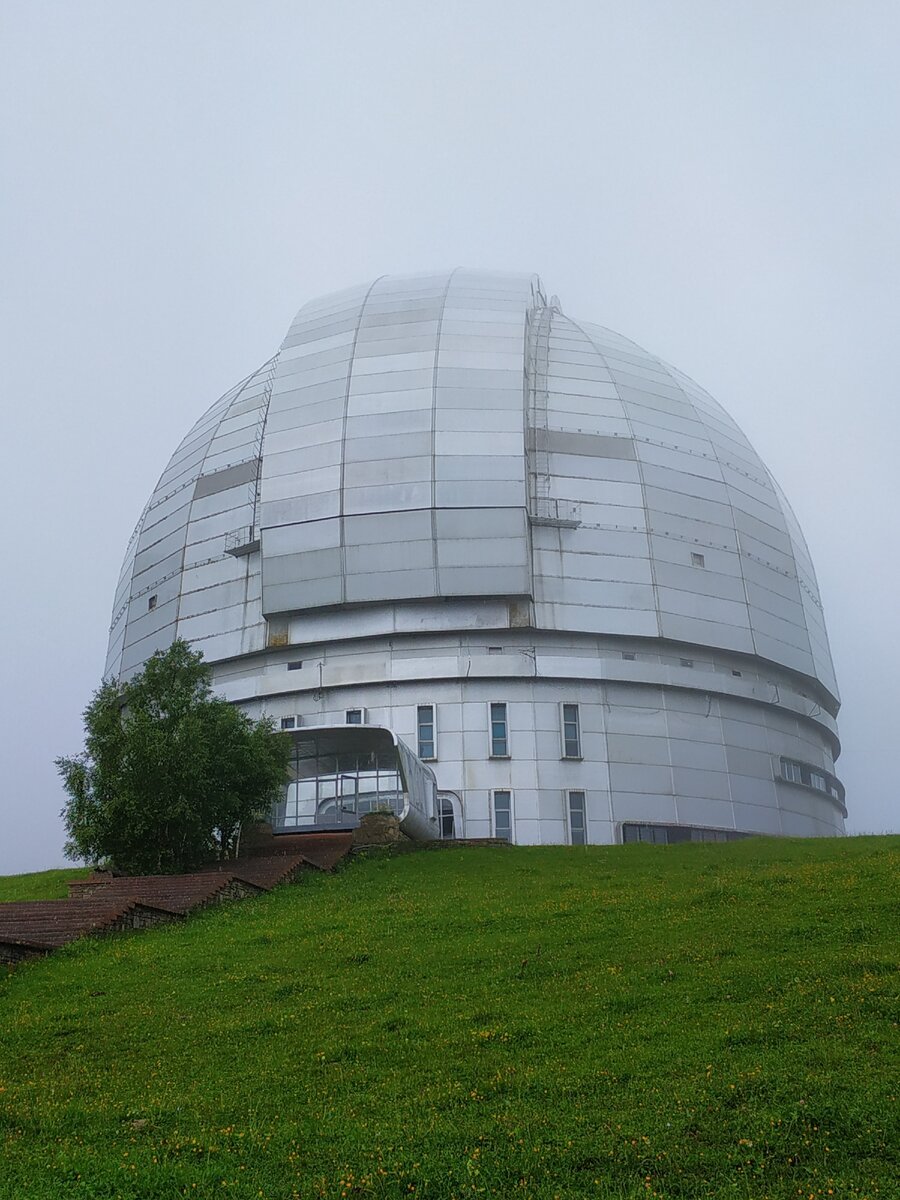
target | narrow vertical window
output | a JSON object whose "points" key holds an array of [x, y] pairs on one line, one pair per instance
{"points": [[791, 771], [571, 731], [353, 716], [503, 815], [499, 732], [448, 829], [425, 731], [577, 819]]}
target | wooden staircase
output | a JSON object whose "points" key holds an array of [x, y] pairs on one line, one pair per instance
{"points": [[106, 903]]}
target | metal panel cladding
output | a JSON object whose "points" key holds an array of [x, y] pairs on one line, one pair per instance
{"points": [[394, 459], [456, 435]]}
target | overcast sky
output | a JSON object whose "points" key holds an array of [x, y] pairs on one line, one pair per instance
{"points": [[718, 181]]}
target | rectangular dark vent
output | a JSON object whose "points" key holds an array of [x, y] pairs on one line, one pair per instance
{"points": [[594, 445], [228, 477]]}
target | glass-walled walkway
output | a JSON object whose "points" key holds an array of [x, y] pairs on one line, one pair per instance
{"points": [[339, 773]]}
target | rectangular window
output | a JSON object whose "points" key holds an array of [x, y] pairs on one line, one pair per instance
{"points": [[499, 732], [288, 722], [628, 656], [425, 731], [656, 835], [503, 815], [577, 821], [571, 729], [353, 716], [296, 665], [791, 771], [697, 560], [667, 835], [448, 825]]}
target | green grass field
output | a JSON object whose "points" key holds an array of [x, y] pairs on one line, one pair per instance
{"points": [[40, 885], [679, 1022]]}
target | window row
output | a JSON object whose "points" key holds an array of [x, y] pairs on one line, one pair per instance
{"points": [[498, 729], [503, 816], [570, 731], [809, 776], [670, 835], [791, 770], [352, 716]]}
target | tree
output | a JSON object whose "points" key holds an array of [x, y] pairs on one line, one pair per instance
{"points": [[169, 771]]}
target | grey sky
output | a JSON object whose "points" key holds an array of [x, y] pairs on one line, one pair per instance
{"points": [[719, 182]]}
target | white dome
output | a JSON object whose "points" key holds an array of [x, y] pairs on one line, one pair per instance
{"points": [[426, 440], [397, 444]]}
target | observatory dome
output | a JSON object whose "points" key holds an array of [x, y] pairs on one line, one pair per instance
{"points": [[542, 561]]}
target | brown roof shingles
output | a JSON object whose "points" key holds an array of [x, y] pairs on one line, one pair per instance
{"points": [[106, 902]]}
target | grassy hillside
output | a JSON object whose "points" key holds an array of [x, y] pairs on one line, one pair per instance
{"points": [[678, 1022], [39, 885]]}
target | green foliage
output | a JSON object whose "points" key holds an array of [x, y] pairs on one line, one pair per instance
{"points": [[694, 1022], [169, 771]]}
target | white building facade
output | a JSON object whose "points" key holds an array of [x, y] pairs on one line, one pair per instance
{"points": [[551, 566]]}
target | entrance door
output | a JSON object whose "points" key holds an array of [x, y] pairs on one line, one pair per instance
{"points": [[449, 816]]}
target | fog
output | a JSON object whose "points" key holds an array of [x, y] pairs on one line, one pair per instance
{"points": [[718, 182]]}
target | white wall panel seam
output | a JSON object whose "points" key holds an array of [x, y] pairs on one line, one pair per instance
{"points": [[435, 368], [269, 367], [132, 596], [627, 416], [344, 420], [749, 607]]}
